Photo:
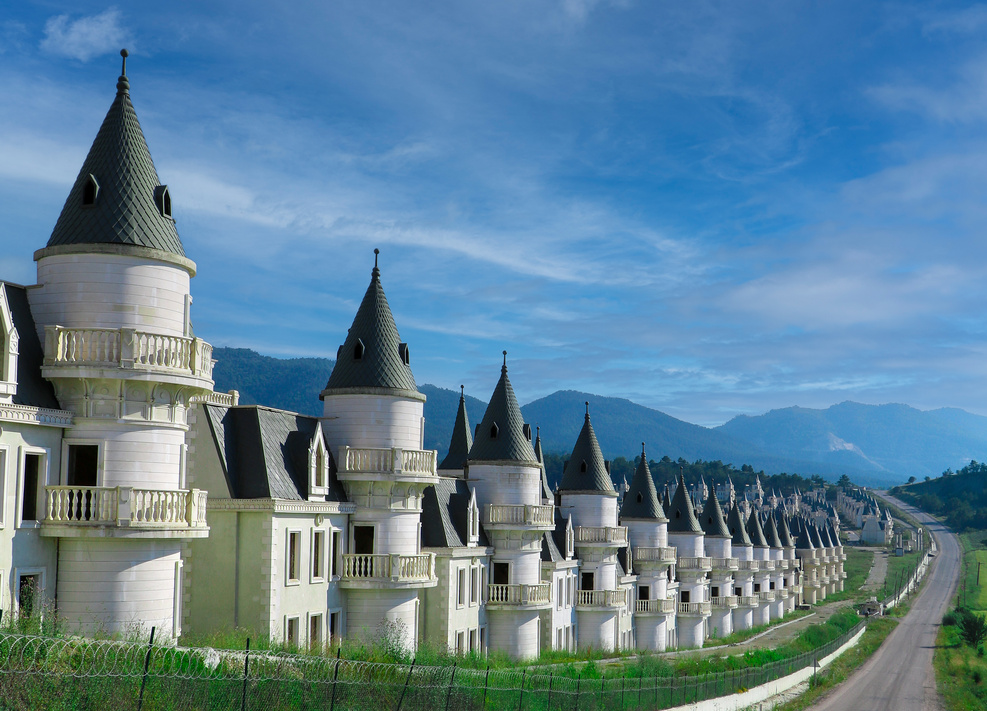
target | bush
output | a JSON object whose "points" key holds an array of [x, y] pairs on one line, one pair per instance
{"points": [[973, 628]]}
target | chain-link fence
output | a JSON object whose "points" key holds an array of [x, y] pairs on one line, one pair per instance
{"points": [[56, 673]]}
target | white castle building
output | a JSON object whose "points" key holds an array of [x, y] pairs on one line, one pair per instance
{"points": [[132, 495]]}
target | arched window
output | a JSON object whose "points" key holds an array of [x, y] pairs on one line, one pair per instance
{"points": [[358, 349], [162, 198], [494, 431], [404, 353], [89, 191]]}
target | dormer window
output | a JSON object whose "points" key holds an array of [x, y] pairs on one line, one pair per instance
{"points": [[640, 497], [162, 198], [404, 353], [582, 466], [494, 431], [90, 191], [318, 467], [526, 429], [473, 521], [358, 349]]}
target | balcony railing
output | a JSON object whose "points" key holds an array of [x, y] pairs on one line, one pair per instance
{"points": [[665, 554], [127, 348], [124, 507], [520, 515], [748, 600], [750, 566], [767, 564], [389, 567], [666, 607], [617, 535], [396, 461], [781, 564], [766, 596], [725, 563], [519, 594], [601, 598], [695, 608], [724, 601], [693, 563], [782, 593]]}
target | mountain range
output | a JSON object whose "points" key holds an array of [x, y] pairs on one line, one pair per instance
{"points": [[875, 445]]}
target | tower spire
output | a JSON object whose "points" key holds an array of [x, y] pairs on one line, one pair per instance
{"points": [[123, 84]]}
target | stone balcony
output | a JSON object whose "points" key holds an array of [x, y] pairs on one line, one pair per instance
{"points": [[655, 607], [601, 599], [368, 464], [695, 609], [601, 536], [665, 555], [748, 601], [766, 595], [748, 566], [382, 570], [730, 601], [781, 564], [725, 564], [123, 352], [123, 512], [695, 564], [511, 516], [782, 593], [519, 596], [767, 564]]}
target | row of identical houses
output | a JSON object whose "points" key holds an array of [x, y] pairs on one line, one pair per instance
{"points": [[132, 495]]}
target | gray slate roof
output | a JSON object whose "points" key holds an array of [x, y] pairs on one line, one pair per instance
{"points": [[784, 533], [735, 524], [462, 439], [546, 490], [125, 211], [586, 470], [381, 365], [814, 534], [804, 540], [681, 515], [510, 443], [755, 531], [445, 511], [641, 499], [771, 533], [264, 452], [32, 389], [712, 517]]}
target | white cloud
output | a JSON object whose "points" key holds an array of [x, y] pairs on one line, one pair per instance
{"points": [[86, 37]]}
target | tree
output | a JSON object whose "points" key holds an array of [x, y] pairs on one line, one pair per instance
{"points": [[911, 480], [928, 478], [973, 628], [844, 482]]}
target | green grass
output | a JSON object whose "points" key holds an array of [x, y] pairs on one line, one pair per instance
{"points": [[743, 635], [900, 569], [857, 567]]}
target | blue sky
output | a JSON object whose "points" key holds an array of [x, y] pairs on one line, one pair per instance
{"points": [[710, 208]]}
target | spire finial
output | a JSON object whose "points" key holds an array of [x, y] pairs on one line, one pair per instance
{"points": [[462, 392], [376, 270], [537, 431], [123, 84], [643, 455], [587, 409], [505, 360]]}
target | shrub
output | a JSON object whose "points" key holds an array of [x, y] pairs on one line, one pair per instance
{"points": [[973, 629]]}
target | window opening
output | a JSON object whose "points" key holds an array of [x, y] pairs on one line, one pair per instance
{"points": [[315, 631], [587, 581], [363, 540], [292, 630], [404, 353], [336, 552], [494, 430], [582, 466], [685, 596], [358, 349], [501, 573], [162, 198], [318, 554], [28, 594], [89, 192], [294, 552], [644, 592], [32, 472]]}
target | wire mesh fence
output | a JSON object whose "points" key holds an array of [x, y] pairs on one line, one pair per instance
{"points": [[58, 673]]}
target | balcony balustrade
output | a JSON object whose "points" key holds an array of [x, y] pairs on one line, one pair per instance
{"points": [[766, 595], [782, 593], [749, 566], [404, 463], [360, 569], [725, 563], [781, 564], [519, 595], [122, 510], [127, 348], [606, 535], [696, 564], [748, 601], [767, 564], [724, 601], [519, 515], [666, 554], [664, 607], [695, 608], [601, 598]]}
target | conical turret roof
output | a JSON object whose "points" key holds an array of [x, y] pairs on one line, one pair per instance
{"points": [[502, 435], [804, 540], [117, 197], [771, 533], [755, 531], [784, 533], [711, 518], [735, 524], [814, 534], [462, 437], [586, 470], [641, 500], [681, 516], [546, 490], [372, 358], [666, 501]]}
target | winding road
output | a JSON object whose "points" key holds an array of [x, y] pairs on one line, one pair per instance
{"points": [[899, 676]]}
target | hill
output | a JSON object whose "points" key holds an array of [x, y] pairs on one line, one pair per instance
{"points": [[960, 498], [288, 384]]}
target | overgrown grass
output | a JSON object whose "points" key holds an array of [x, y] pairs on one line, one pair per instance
{"points": [[900, 569], [857, 567], [743, 635]]}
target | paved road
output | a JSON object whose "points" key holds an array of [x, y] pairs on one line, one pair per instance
{"points": [[899, 676]]}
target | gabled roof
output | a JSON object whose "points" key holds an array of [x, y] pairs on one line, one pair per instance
{"points": [[641, 499], [502, 435], [32, 389], [586, 470], [462, 438], [445, 515], [372, 357], [712, 517], [681, 515], [755, 531], [264, 452], [735, 524], [124, 210], [771, 533]]}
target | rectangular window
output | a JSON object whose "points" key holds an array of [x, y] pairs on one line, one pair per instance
{"points": [[483, 640], [315, 630], [294, 554], [335, 561], [569, 583], [83, 465], [644, 592], [333, 626], [587, 582], [685, 597], [3, 492], [772, 585], [291, 631], [29, 498], [757, 587], [714, 592], [363, 540], [460, 642], [176, 624], [29, 594], [560, 593], [484, 579], [473, 641], [501, 573], [460, 587], [318, 555], [475, 585], [738, 591]]}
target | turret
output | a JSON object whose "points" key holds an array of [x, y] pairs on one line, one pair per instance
{"points": [[462, 439]]}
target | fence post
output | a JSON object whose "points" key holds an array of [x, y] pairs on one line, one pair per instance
{"points": [[550, 691], [579, 681], [623, 684], [147, 663], [520, 700], [603, 681], [246, 669], [486, 680], [640, 687], [335, 676], [452, 678], [405, 689]]}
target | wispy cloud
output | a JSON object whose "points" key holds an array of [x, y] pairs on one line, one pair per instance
{"points": [[85, 37]]}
